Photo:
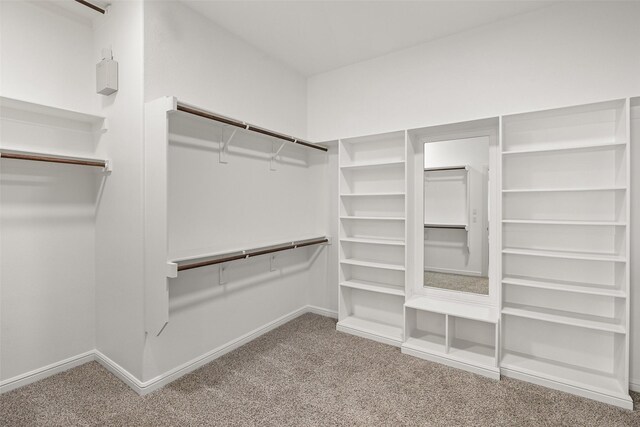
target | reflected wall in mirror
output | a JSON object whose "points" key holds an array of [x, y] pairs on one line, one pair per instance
{"points": [[456, 215]]}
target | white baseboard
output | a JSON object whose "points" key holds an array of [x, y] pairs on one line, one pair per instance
{"points": [[634, 385], [145, 387], [322, 311], [45, 371]]}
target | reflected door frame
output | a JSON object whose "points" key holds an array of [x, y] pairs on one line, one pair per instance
{"points": [[482, 130]]}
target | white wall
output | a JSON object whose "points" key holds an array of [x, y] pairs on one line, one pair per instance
{"points": [[47, 211], [119, 226], [567, 54], [217, 207], [563, 55], [193, 59]]}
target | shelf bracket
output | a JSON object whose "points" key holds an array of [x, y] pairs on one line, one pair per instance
{"points": [[221, 270], [274, 154], [224, 146], [272, 262]]}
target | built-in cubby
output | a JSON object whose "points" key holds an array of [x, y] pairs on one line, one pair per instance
{"points": [[453, 333], [558, 190], [372, 216], [565, 249]]}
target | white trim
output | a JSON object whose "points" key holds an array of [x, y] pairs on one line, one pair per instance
{"points": [[622, 401], [45, 371], [490, 372], [322, 311], [368, 335], [634, 385], [146, 387]]}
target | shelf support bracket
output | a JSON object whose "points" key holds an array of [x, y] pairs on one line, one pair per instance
{"points": [[221, 270], [274, 154], [224, 146], [272, 263]]}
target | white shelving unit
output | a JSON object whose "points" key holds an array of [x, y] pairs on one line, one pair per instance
{"points": [[372, 188], [565, 249], [456, 334]]}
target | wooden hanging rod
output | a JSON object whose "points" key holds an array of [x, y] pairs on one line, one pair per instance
{"points": [[50, 158], [203, 261], [446, 168], [92, 6], [447, 226], [246, 126]]}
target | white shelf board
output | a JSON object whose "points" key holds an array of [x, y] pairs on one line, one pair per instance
{"points": [[472, 353], [564, 190], [563, 222], [582, 147], [373, 164], [428, 342], [48, 110], [390, 194], [453, 308], [372, 264], [369, 241], [381, 288], [565, 286], [390, 334], [588, 256], [374, 218], [575, 376], [564, 318]]}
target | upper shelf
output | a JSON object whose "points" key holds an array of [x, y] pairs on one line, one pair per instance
{"points": [[373, 164], [568, 148], [45, 115], [196, 111], [478, 312]]}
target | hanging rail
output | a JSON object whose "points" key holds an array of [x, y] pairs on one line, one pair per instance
{"points": [[203, 261], [246, 126], [448, 226], [92, 6], [446, 168], [53, 158]]}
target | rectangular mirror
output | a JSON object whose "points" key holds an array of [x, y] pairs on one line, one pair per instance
{"points": [[456, 214]]}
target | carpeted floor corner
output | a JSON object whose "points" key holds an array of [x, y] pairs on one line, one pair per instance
{"points": [[305, 373]]}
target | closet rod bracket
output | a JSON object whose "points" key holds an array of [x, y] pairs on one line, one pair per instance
{"points": [[172, 270], [221, 278], [275, 153], [224, 146], [272, 263]]}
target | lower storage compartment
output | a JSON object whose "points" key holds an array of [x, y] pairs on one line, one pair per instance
{"points": [[372, 315], [462, 343]]}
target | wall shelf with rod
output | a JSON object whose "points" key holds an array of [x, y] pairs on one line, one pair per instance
{"points": [[55, 158], [188, 263]]}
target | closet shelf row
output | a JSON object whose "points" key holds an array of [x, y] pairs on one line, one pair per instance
{"points": [[55, 158], [373, 164], [365, 285], [587, 256], [567, 148], [374, 218], [565, 317], [372, 264], [390, 194], [563, 222], [371, 241], [564, 286], [585, 379], [198, 261], [189, 109], [563, 190]]}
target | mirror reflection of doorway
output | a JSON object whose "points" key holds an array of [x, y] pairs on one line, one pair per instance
{"points": [[456, 251]]}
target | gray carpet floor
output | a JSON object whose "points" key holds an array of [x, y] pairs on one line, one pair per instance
{"points": [[306, 374], [457, 282]]}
